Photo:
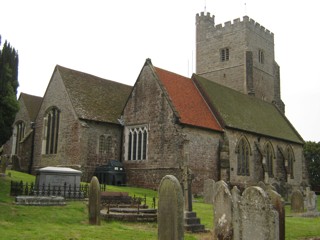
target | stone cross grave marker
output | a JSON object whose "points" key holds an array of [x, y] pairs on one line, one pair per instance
{"points": [[170, 209]]}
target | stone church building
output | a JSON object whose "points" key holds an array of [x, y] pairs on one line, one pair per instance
{"points": [[225, 122]]}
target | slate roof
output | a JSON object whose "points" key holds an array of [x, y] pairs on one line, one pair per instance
{"points": [[32, 103], [191, 107], [247, 113], [94, 98]]}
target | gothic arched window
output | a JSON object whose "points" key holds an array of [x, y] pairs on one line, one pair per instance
{"points": [[51, 131], [243, 152], [137, 138], [269, 155], [290, 158], [18, 135]]}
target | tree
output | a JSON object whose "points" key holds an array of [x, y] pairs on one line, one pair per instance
{"points": [[8, 90], [312, 154]]}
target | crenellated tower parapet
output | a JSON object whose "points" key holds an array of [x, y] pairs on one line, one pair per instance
{"points": [[207, 21], [238, 54]]}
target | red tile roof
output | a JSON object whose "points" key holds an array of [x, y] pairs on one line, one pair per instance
{"points": [[187, 100]]}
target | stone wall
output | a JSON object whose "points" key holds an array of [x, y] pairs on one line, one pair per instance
{"points": [[68, 151], [90, 157], [148, 105], [239, 36], [23, 156], [78, 140], [256, 168]]}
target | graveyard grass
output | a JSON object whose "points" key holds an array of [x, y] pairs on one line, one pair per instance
{"points": [[71, 221]]}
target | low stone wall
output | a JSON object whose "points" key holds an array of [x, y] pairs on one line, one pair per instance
{"points": [[40, 200]]}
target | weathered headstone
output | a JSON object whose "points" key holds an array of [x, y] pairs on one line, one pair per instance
{"points": [[311, 201], [208, 192], [258, 218], [278, 205], [223, 228], [236, 217], [94, 202], [170, 209], [297, 205]]}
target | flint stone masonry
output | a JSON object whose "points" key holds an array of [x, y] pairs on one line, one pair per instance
{"points": [[40, 201], [297, 203], [170, 209], [208, 192]]}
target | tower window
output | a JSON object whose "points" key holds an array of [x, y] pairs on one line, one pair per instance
{"points": [[261, 56], [224, 54]]}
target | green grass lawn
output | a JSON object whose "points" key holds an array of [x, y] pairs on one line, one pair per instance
{"points": [[71, 221]]}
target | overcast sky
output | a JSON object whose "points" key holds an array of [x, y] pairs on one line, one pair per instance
{"points": [[112, 39]]}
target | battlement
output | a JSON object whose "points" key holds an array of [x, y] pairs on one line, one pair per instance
{"points": [[234, 25], [204, 17]]}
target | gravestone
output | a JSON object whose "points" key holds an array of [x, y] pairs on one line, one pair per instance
{"points": [[208, 191], [223, 228], [94, 204], [297, 205], [311, 201], [170, 209], [236, 217], [258, 218], [278, 205]]}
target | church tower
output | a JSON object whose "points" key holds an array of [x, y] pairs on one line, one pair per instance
{"points": [[239, 55]]}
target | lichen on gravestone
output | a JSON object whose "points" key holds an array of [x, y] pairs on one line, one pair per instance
{"points": [[94, 202]]}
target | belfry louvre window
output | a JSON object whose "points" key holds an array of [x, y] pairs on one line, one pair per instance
{"points": [[224, 54], [51, 131], [261, 56], [243, 151], [137, 143]]}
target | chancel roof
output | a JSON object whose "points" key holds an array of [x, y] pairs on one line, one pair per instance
{"points": [[32, 104], [248, 113], [191, 107], [94, 98]]}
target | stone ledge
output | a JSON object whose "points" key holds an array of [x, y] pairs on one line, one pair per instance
{"points": [[40, 200]]}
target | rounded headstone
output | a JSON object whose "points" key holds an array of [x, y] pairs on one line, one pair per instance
{"points": [[170, 209]]}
